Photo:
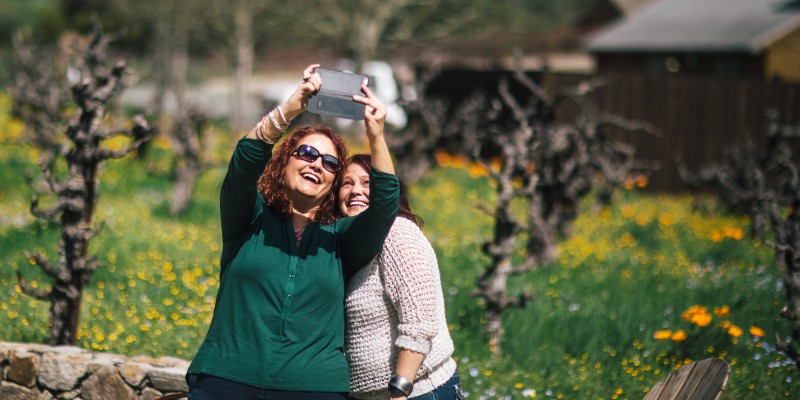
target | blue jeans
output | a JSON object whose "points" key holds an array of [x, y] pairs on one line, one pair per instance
{"points": [[209, 387], [450, 390]]}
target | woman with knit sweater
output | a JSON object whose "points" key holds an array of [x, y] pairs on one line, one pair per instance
{"points": [[396, 341]]}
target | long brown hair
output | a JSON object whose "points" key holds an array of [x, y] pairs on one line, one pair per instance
{"points": [[365, 161], [272, 184]]}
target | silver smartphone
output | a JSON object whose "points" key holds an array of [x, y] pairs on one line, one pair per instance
{"points": [[335, 96]]}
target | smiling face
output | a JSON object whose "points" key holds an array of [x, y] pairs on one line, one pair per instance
{"points": [[354, 193], [307, 183]]}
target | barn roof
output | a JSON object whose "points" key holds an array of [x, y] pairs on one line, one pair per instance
{"points": [[700, 25]]}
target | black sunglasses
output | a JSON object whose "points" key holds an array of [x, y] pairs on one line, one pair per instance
{"points": [[310, 154]]}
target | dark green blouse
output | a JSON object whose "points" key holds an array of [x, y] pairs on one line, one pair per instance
{"points": [[279, 315]]}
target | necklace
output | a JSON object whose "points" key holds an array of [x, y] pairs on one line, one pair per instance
{"points": [[298, 233]]}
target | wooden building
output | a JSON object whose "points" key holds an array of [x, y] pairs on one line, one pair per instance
{"points": [[739, 39]]}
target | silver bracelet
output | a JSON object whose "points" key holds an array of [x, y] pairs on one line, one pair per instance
{"points": [[400, 386], [275, 124], [261, 132], [283, 116]]}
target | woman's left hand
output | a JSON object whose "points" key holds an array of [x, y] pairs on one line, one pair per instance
{"points": [[374, 112]]}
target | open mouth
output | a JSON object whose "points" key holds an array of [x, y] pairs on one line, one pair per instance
{"points": [[310, 177], [357, 203]]}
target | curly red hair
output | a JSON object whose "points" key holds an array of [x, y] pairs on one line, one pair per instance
{"points": [[272, 184]]}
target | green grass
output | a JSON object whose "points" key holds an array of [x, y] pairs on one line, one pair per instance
{"points": [[628, 272]]}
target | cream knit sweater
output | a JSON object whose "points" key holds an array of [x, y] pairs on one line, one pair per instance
{"points": [[397, 302]]}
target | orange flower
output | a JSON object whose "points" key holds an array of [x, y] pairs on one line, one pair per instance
{"points": [[734, 331], [445, 159], [701, 319], [679, 336], [722, 312], [496, 164], [687, 315], [629, 182], [627, 211], [756, 331], [442, 158], [663, 334], [641, 181], [697, 315], [477, 170], [734, 233]]}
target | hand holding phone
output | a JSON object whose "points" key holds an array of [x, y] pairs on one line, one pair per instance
{"points": [[335, 96]]}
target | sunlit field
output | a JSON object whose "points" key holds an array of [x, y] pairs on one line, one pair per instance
{"points": [[640, 288]]}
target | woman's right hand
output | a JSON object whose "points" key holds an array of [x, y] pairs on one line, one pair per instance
{"points": [[298, 101], [374, 120], [374, 112]]}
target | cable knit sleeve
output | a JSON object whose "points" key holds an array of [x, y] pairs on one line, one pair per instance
{"points": [[410, 274]]}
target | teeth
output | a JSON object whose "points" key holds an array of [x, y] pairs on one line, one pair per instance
{"points": [[357, 203], [311, 177]]}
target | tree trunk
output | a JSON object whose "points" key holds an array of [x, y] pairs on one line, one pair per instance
{"points": [[789, 234], [180, 57], [244, 63], [77, 193]]}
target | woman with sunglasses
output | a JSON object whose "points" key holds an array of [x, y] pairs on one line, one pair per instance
{"points": [[397, 340], [278, 325]]}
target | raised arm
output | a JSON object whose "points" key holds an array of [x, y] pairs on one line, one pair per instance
{"points": [[277, 121], [239, 199], [374, 121], [365, 233]]}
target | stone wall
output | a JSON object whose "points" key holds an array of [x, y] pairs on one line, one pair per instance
{"points": [[40, 372]]}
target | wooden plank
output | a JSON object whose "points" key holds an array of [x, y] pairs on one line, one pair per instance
{"points": [[700, 380], [698, 118]]}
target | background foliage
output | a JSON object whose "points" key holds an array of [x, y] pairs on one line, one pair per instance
{"points": [[286, 26], [643, 286]]}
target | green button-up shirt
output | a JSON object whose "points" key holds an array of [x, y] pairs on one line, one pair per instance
{"points": [[279, 316]]}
